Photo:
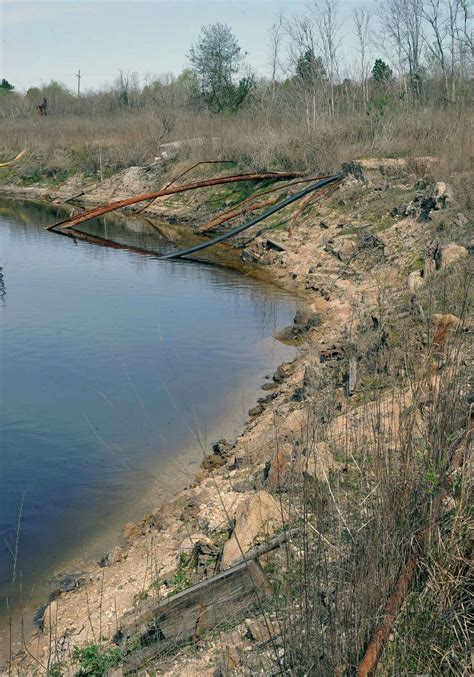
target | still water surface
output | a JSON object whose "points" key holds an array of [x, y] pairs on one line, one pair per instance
{"points": [[111, 364]]}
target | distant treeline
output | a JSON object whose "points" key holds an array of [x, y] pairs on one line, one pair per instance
{"points": [[411, 53]]}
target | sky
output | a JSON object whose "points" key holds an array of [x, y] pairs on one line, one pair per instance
{"points": [[43, 40]]}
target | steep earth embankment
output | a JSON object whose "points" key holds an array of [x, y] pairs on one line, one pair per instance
{"points": [[360, 257]]}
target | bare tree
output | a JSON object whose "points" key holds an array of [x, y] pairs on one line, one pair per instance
{"points": [[127, 89], [302, 48], [402, 28], [435, 39], [465, 29], [326, 13], [459, 24], [465, 39], [275, 44], [361, 16], [302, 38]]}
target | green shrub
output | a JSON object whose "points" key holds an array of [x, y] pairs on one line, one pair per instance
{"points": [[96, 661]]}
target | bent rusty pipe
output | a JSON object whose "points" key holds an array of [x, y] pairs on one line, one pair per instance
{"points": [[104, 242], [374, 651], [69, 231], [239, 229], [99, 211], [229, 215], [180, 176], [232, 212]]}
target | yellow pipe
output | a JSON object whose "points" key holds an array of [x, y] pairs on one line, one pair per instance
{"points": [[18, 157]]}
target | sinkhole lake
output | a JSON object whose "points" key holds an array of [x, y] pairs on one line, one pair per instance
{"points": [[114, 368]]}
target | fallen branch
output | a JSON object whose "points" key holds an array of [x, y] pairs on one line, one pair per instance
{"points": [[99, 211]]}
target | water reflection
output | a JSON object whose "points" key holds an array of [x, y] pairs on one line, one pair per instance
{"points": [[3, 289], [111, 363]]}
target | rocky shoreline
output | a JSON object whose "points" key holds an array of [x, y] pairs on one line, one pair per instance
{"points": [[369, 239]]}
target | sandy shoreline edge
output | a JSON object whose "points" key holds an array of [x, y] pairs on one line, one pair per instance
{"points": [[340, 258], [119, 535]]}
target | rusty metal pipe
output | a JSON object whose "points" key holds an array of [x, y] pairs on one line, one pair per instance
{"points": [[99, 211], [104, 242], [256, 219], [373, 653], [230, 213]]}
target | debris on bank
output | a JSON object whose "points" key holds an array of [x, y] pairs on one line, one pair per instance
{"points": [[362, 259]]}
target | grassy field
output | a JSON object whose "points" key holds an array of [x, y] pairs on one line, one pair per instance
{"points": [[59, 146]]}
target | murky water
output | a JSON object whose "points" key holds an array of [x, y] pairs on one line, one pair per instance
{"points": [[111, 364]]}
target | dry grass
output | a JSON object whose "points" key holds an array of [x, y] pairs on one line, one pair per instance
{"points": [[359, 523], [258, 140], [393, 441]]}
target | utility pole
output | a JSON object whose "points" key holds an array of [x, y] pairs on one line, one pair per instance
{"points": [[78, 76]]}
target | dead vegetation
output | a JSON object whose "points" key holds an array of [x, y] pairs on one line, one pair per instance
{"points": [[361, 522], [59, 147], [369, 484]]}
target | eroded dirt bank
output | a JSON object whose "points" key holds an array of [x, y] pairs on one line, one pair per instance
{"points": [[362, 258]]}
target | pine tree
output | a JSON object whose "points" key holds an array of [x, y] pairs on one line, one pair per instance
{"points": [[381, 72], [5, 86], [310, 68]]}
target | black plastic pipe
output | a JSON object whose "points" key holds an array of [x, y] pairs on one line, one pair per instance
{"points": [[257, 219]]}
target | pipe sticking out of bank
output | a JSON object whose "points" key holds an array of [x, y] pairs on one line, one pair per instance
{"points": [[171, 190], [68, 230], [239, 229]]}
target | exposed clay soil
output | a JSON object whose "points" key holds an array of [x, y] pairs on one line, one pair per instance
{"points": [[341, 254]]}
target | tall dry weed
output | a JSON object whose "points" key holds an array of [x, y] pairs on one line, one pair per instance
{"points": [[393, 446], [255, 139]]}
